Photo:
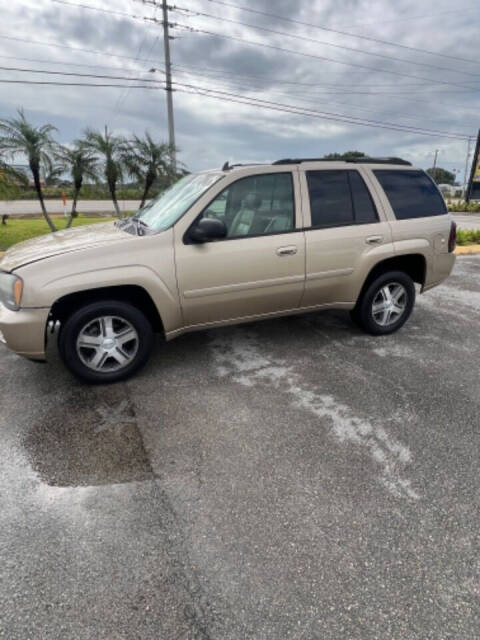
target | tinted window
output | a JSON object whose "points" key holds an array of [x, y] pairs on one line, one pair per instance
{"points": [[339, 198], [256, 205], [365, 211], [330, 199], [412, 194]]}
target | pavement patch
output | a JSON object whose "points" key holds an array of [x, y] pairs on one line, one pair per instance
{"points": [[88, 439]]}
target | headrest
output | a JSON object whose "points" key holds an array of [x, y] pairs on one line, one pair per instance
{"points": [[252, 201]]}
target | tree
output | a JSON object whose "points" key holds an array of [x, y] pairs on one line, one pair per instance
{"points": [[348, 155], [18, 136], [147, 161], [111, 148], [441, 176], [82, 163], [52, 171]]}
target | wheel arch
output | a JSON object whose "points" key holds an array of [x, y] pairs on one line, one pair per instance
{"points": [[136, 295], [413, 264]]}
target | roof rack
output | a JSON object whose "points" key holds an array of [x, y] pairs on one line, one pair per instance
{"points": [[353, 160], [227, 166]]}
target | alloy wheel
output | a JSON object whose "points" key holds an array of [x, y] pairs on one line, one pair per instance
{"points": [[107, 344], [389, 304]]}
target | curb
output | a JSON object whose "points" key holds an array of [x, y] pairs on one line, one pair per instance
{"points": [[467, 250]]}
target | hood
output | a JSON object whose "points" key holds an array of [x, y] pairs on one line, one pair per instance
{"points": [[53, 244]]}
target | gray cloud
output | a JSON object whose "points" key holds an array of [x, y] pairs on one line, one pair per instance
{"points": [[210, 131]]}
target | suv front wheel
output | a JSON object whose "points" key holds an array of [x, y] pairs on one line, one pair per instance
{"points": [[105, 342], [386, 304]]}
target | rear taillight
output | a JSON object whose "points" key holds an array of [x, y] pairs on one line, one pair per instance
{"points": [[452, 238]]}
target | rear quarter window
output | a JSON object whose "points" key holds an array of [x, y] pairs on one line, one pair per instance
{"points": [[412, 194]]}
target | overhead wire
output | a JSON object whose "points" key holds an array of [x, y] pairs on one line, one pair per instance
{"points": [[190, 29], [337, 31], [327, 114], [321, 42]]}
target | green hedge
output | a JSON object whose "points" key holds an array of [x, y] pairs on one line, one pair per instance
{"points": [[465, 237], [88, 192], [461, 205]]}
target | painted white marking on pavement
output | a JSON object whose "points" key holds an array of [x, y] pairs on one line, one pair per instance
{"points": [[239, 355]]}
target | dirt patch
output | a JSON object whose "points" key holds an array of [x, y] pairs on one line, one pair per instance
{"points": [[91, 438]]}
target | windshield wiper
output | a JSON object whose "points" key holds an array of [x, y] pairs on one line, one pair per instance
{"points": [[133, 224], [140, 226]]}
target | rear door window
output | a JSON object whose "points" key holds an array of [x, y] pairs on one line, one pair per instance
{"points": [[339, 198], [412, 194]]}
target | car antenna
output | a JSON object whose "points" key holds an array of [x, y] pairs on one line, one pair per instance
{"points": [[226, 166]]}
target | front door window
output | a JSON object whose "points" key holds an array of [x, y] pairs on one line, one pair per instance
{"points": [[257, 205]]}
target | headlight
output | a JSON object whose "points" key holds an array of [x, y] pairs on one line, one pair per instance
{"points": [[11, 287]]}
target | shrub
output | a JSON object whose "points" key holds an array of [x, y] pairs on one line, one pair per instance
{"points": [[462, 206], [468, 236]]}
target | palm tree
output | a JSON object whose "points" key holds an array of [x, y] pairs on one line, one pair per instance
{"points": [[110, 147], [82, 163], [18, 136], [147, 161]]}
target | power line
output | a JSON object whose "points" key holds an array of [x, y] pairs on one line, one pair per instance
{"points": [[89, 7], [105, 54], [79, 84], [324, 58], [252, 43], [458, 11], [296, 111], [64, 63], [337, 31], [342, 89], [328, 114], [318, 98], [266, 104], [322, 42], [260, 76], [124, 94], [81, 75]]}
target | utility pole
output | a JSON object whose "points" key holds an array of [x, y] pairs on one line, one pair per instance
{"points": [[435, 165], [473, 188], [465, 178], [168, 79]]}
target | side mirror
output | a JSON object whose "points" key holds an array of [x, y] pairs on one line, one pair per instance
{"points": [[207, 229]]}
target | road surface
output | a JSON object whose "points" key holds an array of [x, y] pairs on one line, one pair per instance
{"points": [[292, 479], [468, 221], [56, 206]]}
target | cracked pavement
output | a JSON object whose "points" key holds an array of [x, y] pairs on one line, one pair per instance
{"points": [[290, 479]]}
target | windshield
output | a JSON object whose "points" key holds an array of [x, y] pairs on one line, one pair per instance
{"points": [[169, 206]]}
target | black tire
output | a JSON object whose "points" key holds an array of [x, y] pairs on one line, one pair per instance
{"points": [[137, 351], [354, 317], [370, 322]]}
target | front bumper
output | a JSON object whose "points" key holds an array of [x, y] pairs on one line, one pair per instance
{"points": [[23, 331]]}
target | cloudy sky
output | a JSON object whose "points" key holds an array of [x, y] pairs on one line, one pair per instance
{"points": [[358, 78]]}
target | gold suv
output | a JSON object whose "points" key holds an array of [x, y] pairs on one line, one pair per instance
{"points": [[230, 246]]}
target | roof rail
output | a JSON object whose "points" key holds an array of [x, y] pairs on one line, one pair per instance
{"points": [[354, 160], [227, 166]]}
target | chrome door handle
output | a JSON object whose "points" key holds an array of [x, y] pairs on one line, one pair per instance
{"points": [[374, 239], [287, 251]]}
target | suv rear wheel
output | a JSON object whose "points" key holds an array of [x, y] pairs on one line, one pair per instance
{"points": [[386, 304], [105, 341]]}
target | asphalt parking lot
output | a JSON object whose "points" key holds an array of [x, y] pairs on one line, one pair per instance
{"points": [[292, 479]]}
